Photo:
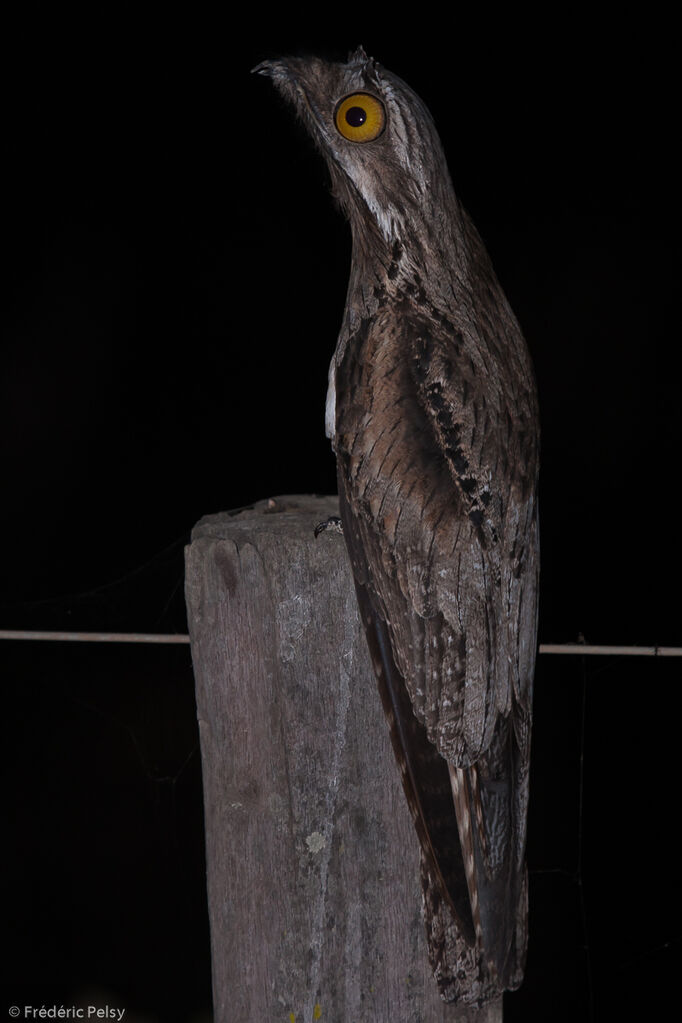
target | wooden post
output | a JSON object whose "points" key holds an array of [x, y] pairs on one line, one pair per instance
{"points": [[313, 864]]}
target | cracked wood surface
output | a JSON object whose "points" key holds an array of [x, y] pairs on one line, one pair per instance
{"points": [[312, 859]]}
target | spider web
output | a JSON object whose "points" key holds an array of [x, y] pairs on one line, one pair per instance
{"points": [[104, 797]]}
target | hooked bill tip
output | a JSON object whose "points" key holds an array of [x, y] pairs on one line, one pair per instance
{"points": [[271, 69]]}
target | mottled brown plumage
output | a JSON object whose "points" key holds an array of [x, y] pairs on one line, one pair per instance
{"points": [[433, 416]]}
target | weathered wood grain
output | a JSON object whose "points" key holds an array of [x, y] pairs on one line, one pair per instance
{"points": [[313, 862]]}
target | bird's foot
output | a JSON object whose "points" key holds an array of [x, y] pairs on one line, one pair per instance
{"points": [[333, 523]]}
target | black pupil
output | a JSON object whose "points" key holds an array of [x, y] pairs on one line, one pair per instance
{"points": [[356, 116]]}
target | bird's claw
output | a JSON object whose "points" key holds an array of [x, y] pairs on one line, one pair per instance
{"points": [[333, 523]]}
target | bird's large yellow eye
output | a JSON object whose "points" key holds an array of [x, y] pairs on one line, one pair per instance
{"points": [[360, 117]]}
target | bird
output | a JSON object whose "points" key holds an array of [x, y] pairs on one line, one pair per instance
{"points": [[432, 412]]}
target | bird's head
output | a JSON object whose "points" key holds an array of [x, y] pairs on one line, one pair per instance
{"points": [[378, 138]]}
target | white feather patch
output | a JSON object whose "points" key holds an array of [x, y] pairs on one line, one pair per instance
{"points": [[330, 405]]}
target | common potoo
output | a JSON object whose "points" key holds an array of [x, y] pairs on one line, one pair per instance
{"points": [[432, 413]]}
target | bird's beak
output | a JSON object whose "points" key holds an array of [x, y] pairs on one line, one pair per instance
{"points": [[272, 69], [264, 68]]}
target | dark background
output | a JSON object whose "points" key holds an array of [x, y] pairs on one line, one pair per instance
{"points": [[174, 274]]}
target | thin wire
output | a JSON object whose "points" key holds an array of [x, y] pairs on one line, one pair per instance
{"points": [[583, 649], [610, 650], [95, 637]]}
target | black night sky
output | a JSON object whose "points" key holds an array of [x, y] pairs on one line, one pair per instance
{"points": [[174, 273]]}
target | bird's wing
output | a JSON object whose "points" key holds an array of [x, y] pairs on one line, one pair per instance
{"points": [[440, 482], [439, 518]]}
